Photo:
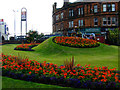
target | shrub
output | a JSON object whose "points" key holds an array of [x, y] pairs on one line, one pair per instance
{"points": [[114, 36], [69, 65], [21, 59]]}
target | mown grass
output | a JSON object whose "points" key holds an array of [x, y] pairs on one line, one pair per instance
{"points": [[49, 51], [9, 83]]}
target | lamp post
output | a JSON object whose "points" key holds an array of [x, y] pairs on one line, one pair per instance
{"points": [[15, 23]]}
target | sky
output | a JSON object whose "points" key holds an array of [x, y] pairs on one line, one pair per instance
{"points": [[39, 14]]}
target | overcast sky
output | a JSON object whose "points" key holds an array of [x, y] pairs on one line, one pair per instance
{"points": [[39, 16]]}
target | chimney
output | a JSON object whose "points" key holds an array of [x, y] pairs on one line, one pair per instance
{"points": [[54, 6], [66, 3]]}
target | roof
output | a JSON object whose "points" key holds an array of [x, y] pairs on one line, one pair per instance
{"points": [[71, 4]]}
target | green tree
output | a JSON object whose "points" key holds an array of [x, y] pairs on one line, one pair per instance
{"points": [[114, 36], [39, 36], [31, 36]]}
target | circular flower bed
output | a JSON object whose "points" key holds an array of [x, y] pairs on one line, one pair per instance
{"points": [[79, 77], [76, 42], [26, 47]]}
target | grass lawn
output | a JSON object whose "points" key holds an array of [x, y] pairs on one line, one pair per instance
{"points": [[14, 83], [103, 55]]}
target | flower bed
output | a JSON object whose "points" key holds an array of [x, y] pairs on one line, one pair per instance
{"points": [[76, 42], [79, 77], [26, 47]]}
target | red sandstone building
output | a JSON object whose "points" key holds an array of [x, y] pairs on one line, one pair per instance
{"points": [[86, 17]]}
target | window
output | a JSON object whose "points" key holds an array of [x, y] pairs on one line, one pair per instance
{"points": [[81, 22], [104, 21], [57, 17], [61, 15], [113, 20], [95, 9], [80, 11], [95, 21], [113, 7], [109, 21], [104, 7], [109, 7], [70, 13], [70, 24]]}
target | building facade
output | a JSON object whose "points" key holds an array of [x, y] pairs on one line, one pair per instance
{"points": [[86, 17], [3, 30]]}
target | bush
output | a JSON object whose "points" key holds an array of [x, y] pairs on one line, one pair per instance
{"points": [[114, 37]]}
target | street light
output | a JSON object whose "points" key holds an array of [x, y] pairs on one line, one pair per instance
{"points": [[15, 23]]}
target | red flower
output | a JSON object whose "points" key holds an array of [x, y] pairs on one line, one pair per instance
{"points": [[78, 65], [64, 76], [109, 75], [73, 41], [95, 78], [103, 80], [29, 72], [119, 81]]}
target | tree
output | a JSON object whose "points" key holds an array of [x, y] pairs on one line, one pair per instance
{"points": [[39, 36], [114, 36], [31, 36]]}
